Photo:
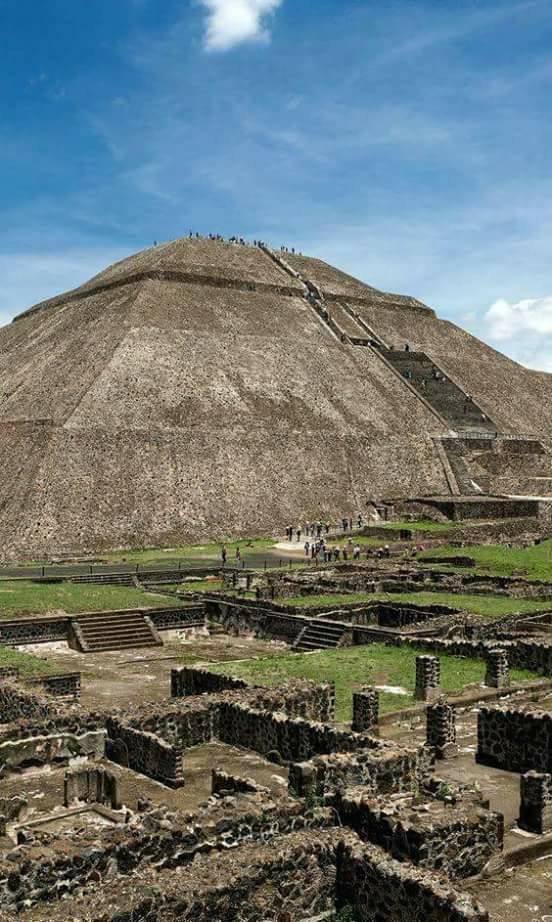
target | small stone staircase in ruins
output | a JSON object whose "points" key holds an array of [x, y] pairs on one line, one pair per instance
{"points": [[319, 635], [113, 630]]}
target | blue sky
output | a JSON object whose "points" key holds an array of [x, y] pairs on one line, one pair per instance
{"points": [[407, 142]]}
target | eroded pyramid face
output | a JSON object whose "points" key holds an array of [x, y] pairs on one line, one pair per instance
{"points": [[196, 389]]}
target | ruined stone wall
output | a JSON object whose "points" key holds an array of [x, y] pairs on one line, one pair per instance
{"points": [[301, 874], [515, 739], [162, 838], [454, 839], [17, 703], [196, 680], [297, 698], [167, 619], [287, 738], [145, 753], [381, 768], [29, 630], [224, 783], [379, 888], [261, 619], [185, 722], [523, 653], [65, 685]]}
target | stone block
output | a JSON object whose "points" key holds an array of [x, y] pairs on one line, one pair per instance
{"points": [[428, 678], [535, 811], [497, 674], [365, 710]]}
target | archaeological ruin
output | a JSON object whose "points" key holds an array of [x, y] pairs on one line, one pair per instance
{"points": [[347, 721]]}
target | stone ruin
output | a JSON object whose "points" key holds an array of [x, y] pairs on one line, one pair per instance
{"points": [[356, 808], [458, 417], [358, 820]]}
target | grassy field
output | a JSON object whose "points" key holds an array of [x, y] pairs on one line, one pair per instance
{"points": [[199, 585], [208, 551], [19, 597], [423, 525], [28, 665], [352, 667], [489, 606], [533, 562]]}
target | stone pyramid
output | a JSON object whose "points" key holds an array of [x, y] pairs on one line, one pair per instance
{"points": [[204, 388]]}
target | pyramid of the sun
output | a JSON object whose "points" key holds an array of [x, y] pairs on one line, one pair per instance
{"points": [[197, 389]]}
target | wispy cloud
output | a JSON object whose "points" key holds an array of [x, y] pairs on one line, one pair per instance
{"points": [[34, 275], [231, 22], [529, 316]]}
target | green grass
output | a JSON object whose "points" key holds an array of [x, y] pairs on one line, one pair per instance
{"points": [[200, 585], [352, 667], [18, 597], [532, 562], [209, 551], [423, 525], [488, 606], [27, 664]]}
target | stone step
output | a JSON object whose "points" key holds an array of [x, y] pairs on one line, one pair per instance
{"points": [[116, 631], [124, 645], [323, 635], [116, 628], [444, 395], [107, 619], [314, 645]]}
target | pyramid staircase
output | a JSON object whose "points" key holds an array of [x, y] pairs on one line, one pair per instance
{"points": [[450, 401], [114, 630], [319, 635]]}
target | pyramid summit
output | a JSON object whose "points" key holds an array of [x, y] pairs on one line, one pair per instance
{"points": [[204, 388]]}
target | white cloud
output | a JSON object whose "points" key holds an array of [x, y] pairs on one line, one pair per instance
{"points": [[523, 329], [531, 316], [33, 276], [230, 22]]}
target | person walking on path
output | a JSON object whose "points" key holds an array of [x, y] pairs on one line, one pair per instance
{"points": [[307, 548], [223, 555]]}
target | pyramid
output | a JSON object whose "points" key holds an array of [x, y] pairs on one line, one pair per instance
{"points": [[205, 389]]}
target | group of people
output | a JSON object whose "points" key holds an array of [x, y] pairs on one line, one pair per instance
{"points": [[317, 529], [318, 550], [234, 239]]}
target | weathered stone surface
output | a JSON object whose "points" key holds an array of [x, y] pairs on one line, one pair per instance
{"points": [[184, 352], [535, 812]]}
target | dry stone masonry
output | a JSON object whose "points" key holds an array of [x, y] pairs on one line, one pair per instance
{"points": [[535, 812], [497, 673], [516, 739], [441, 729], [428, 678], [365, 710]]}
